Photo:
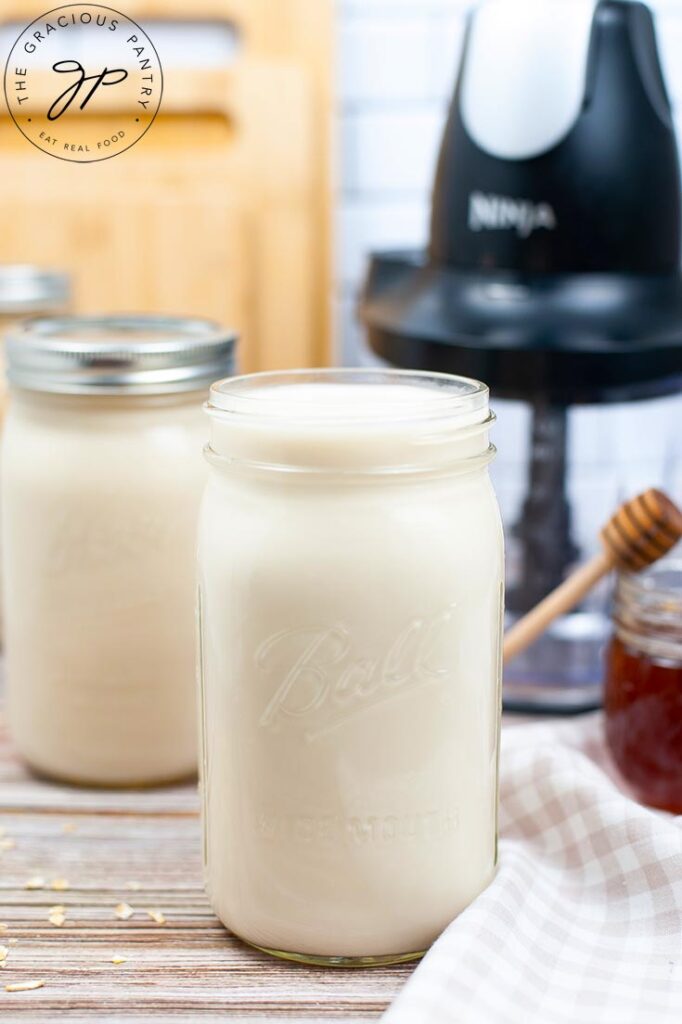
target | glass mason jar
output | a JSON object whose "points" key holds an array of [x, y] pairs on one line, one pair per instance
{"points": [[643, 701], [101, 483], [351, 600], [27, 291]]}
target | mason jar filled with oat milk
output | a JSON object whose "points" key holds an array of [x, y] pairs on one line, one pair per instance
{"points": [[351, 600], [26, 291], [102, 475]]}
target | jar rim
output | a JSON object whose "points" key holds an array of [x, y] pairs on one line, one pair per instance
{"points": [[648, 608], [451, 398], [329, 428], [661, 583]]}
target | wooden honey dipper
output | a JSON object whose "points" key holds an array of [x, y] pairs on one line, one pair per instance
{"points": [[641, 532]]}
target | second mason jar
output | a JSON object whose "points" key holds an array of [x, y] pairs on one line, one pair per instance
{"points": [[102, 476], [351, 600]]}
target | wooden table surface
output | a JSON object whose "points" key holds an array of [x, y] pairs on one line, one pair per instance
{"points": [[141, 848]]}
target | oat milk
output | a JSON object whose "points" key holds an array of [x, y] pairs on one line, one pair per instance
{"points": [[101, 482], [351, 591]]}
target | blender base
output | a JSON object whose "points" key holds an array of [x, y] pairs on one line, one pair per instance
{"points": [[561, 674]]}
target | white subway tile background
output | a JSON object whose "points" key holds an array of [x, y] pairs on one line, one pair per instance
{"points": [[396, 65]]}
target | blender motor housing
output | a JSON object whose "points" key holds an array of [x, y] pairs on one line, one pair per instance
{"points": [[553, 267]]}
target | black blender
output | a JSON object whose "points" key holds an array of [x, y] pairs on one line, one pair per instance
{"points": [[553, 274]]}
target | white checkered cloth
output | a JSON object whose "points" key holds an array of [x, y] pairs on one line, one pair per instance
{"points": [[583, 923]]}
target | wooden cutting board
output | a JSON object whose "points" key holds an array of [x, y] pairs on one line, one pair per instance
{"points": [[221, 209]]}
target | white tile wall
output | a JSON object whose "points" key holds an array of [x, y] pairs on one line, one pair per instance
{"points": [[396, 66], [361, 220], [385, 59], [389, 152]]}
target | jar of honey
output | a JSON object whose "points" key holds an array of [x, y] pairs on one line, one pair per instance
{"points": [[643, 700]]}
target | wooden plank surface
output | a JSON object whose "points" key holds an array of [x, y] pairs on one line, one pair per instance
{"points": [[142, 848]]}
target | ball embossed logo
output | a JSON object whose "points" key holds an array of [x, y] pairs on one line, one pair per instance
{"points": [[83, 82]]}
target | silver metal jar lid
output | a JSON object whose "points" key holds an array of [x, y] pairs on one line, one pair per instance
{"points": [[25, 290], [150, 355]]}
